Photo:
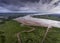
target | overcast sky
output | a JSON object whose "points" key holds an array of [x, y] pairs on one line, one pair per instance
{"points": [[16, 5]]}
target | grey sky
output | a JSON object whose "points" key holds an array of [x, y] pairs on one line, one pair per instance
{"points": [[19, 1], [15, 5], [16, 1]]}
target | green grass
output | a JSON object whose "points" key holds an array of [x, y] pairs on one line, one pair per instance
{"points": [[10, 28], [51, 17]]}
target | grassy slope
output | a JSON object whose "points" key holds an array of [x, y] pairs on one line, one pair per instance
{"points": [[10, 28]]}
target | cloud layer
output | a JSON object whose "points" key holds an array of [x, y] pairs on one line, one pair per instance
{"points": [[29, 5]]}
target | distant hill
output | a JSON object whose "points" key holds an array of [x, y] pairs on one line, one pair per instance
{"points": [[49, 16], [15, 15]]}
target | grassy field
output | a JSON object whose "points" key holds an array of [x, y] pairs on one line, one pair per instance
{"points": [[51, 17], [9, 29]]}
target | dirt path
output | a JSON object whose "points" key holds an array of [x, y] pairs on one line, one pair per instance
{"points": [[47, 30], [19, 34], [18, 37]]}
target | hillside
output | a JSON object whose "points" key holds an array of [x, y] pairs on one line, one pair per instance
{"points": [[9, 29], [49, 16]]}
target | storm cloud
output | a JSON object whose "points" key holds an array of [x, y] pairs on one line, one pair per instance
{"points": [[18, 5], [17, 1]]}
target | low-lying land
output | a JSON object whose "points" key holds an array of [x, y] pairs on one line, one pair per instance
{"points": [[49, 16], [9, 29]]}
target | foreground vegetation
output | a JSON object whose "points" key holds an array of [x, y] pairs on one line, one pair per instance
{"points": [[9, 29]]}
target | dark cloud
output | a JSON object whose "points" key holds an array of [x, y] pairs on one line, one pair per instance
{"points": [[24, 1], [16, 4], [30, 0], [16, 1], [46, 1]]}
